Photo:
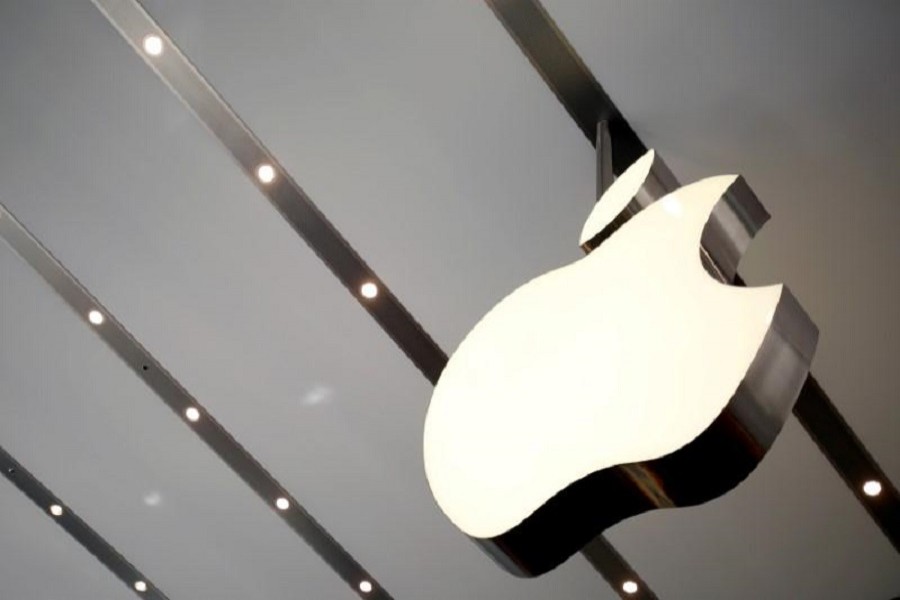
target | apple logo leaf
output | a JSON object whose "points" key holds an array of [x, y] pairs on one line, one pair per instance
{"points": [[617, 199], [627, 381]]}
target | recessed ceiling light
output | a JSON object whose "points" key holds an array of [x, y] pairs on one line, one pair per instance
{"points": [[140, 586], [630, 587], [95, 317], [282, 503], [368, 290], [192, 414], [872, 488], [265, 173], [56, 510], [365, 586], [153, 45]]}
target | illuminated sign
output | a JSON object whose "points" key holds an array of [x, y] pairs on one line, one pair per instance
{"points": [[628, 380]]}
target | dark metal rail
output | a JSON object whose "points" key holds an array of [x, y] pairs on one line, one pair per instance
{"points": [[539, 38], [48, 503], [186, 407], [286, 195]]}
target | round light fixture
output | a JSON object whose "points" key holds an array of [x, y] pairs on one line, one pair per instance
{"points": [[365, 586], [153, 45], [872, 488], [56, 510], [282, 504], [96, 317], [630, 587], [192, 414], [265, 173], [140, 586], [368, 290]]}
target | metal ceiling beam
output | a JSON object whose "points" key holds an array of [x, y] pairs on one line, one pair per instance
{"points": [[176, 397], [285, 194], [615, 569], [80, 531], [539, 38], [550, 53], [289, 199], [848, 456]]}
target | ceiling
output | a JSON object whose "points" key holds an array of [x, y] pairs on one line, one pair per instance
{"points": [[424, 135]]}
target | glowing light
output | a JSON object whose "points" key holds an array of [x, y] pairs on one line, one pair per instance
{"points": [[282, 504], [96, 317], [368, 290], [365, 586], [192, 414], [634, 337], [153, 45], [265, 173], [140, 586], [671, 205], [153, 499], [318, 394], [630, 587], [56, 510], [872, 488]]}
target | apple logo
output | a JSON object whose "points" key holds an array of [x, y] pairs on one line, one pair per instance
{"points": [[627, 381]]}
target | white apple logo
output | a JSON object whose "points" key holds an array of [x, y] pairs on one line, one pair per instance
{"points": [[589, 378]]}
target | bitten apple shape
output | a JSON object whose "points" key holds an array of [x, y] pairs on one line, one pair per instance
{"points": [[628, 380]]}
